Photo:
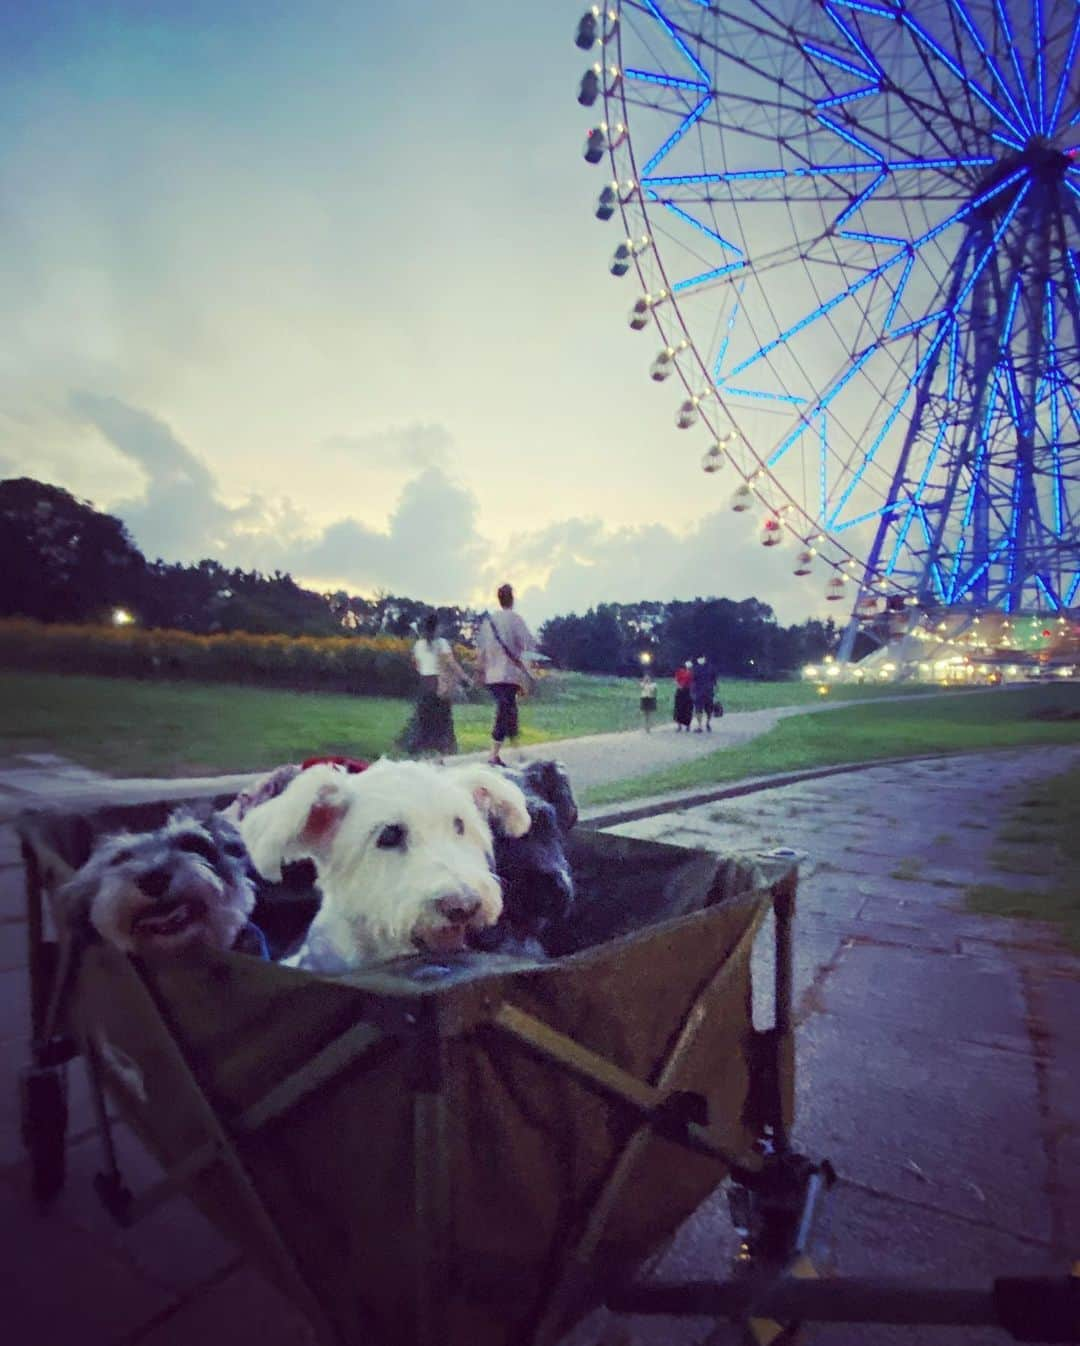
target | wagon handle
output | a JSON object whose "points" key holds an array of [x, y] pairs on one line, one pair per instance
{"points": [[1032, 1308]]}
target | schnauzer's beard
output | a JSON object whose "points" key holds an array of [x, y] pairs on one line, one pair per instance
{"points": [[199, 909]]}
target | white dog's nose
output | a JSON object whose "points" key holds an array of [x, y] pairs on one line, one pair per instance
{"points": [[458, 908]]}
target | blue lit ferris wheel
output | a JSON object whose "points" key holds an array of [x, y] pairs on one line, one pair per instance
{"points": [[856, 228]]}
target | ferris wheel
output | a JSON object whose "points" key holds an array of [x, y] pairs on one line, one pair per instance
{"points": [[855, 226]]}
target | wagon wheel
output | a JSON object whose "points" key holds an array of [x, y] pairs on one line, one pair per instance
{"points": [[43, 1116]]}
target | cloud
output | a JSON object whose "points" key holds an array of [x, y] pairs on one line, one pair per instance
{"points": [[431, 546], [414, 447], [583, 563], [178, 516]]}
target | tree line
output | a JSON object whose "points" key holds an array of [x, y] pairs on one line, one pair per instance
{"points": [[61, 560]]}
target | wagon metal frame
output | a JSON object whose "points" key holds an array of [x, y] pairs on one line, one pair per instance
{"points": [[152, 1032]]}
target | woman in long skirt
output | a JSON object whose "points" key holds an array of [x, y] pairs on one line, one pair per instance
{"points": [[684, 697], [431, 728]]}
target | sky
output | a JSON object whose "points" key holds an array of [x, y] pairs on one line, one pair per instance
{"points": [[317, 287]]}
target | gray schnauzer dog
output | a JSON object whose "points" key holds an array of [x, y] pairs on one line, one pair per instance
{"points": [[537, 882], [187, 883]]}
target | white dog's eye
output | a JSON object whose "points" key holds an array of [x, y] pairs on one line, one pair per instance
{"points": [[392, 837], [459, 827]]}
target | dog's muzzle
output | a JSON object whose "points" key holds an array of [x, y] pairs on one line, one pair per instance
{"points": [[457, 916]]}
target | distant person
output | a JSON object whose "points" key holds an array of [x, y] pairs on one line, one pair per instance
{"points": [[684, 700], [648, 700], [431, 729], [702, 691], [501, 640]]}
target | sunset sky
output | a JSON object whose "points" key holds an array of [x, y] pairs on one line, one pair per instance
{"points": [[317, 287]]}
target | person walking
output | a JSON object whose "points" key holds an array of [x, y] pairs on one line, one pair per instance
{"points": [[431, 728], [501, 640], [648, 700], [684, 700], [702, 689]]}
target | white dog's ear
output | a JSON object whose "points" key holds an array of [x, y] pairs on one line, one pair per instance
{"points": [[301, 822], [497, 797]]}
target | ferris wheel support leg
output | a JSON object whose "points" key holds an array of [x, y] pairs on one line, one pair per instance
{"points": [[847, 642]]}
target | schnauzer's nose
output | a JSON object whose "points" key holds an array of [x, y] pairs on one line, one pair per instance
{"points": [[458, 909], [154, 882]]}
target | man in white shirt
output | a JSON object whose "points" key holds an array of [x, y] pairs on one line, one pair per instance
{"points": [[501, 640]]}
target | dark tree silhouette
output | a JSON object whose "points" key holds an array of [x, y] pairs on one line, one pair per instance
{"points": [[60, 559]]}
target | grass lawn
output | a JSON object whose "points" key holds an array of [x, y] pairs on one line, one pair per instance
{"points": [[127, 727], [1007, 719], [1042, 838]]}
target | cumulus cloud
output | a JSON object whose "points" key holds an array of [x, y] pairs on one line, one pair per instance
{"points": [[431, 546], [582, 563], [412, 447]]}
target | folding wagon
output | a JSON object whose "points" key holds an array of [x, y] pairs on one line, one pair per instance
{"points": [[477, 1150]]}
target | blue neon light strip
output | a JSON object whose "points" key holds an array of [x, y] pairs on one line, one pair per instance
{"points": [[954, 577], [978, 574], [1010, 43], [786, 444], [838, 98], [890, 507], [763, 396], [1040, 67], [977, 465], [890, 420], [991, 246], [1006, 140], [833, 59], [727, 334], [1044, 585], [918, 494], [964, 211], [707, 275], [1055, 421], [879, 10], [668, 81], [1066, 71], [1072, 590], [942, 55], [662, 19], [916, 324], [838, 130], [1014, 522], [998, 73], [863, 196], [836, 170], [860, 237], [935, 567], [823, 459], [853, 37], [1071, 186], [685, 215], [950, 388], [817, 313], [676, 135]]}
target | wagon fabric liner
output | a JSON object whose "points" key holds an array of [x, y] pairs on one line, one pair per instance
{"points": [[472, 1150]]}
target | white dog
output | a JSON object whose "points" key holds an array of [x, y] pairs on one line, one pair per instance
{"points": [[403, 851], [184, 884]]}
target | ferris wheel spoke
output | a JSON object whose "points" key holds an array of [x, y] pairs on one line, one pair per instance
{"points": [[989, 60], [1066, 72]]}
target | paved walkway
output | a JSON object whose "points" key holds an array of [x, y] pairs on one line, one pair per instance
{"points": [[937, 1057], [597, 759]]}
